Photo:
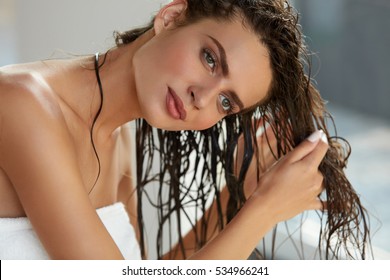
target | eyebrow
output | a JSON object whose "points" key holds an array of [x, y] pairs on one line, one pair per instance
{"points": [[236, 99], [222, 53], [225, 71]]}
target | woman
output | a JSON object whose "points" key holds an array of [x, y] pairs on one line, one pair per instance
{"points": [[64, 148]]}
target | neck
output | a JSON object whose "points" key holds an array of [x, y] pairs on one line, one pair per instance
{"points": [[120, 103]]}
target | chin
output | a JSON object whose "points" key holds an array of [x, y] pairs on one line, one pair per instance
{"points": [[157, 121], [165, 125]]}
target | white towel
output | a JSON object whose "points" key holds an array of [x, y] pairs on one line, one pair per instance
{"points": [[18, 240]]}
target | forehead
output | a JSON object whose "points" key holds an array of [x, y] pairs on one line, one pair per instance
{"points": [[248, 58]]}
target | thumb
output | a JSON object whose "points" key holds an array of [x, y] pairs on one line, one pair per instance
{"points": [[307, 146]]}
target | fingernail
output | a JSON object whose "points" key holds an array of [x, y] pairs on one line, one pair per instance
{"points": [[324, 138], [315, 136]]}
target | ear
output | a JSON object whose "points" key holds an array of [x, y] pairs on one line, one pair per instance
{"points": [[168, 14]]}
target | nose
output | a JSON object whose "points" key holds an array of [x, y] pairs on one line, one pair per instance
{"points": [[202, 96]]}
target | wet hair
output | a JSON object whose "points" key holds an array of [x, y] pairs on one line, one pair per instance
{"points": [[194, 165]]}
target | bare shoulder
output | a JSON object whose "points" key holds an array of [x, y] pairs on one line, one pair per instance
{"points": [[31, 125], [38, 156], [22, 85], [28, 107]]}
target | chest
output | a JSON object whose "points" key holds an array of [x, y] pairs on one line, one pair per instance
{"points": [[100, 167]]}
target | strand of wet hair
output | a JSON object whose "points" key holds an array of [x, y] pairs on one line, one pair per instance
{"points": [[96, 68]]}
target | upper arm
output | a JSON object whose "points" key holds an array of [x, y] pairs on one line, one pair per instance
{"points": [[37, 154]]}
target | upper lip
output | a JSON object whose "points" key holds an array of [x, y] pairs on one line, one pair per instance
{"points": [[179, 104]]}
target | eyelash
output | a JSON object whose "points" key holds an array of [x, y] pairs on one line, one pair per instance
{"points": [[207, 54], [231, 105]]}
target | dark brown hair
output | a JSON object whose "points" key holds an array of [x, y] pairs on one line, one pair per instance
{"points": [[195, 163]]}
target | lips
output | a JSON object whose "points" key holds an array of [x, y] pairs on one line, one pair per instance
{"points": [[175, 106]]}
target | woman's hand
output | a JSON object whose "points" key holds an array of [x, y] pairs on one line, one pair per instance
{"points": [[293, 184], [289, 187]]}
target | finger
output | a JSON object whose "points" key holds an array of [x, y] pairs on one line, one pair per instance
{"points": [[318, 204], [318, 186], [324, 205], [315, 157], [306, 147]]}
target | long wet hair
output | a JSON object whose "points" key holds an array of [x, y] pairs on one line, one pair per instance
{"points": [[194, 165]]}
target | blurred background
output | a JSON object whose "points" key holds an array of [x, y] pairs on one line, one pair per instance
{"points": [[350, 40]]}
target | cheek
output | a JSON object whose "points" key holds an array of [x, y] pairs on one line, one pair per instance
{"points": [[164, 58], [179, 63], [178, 56]]}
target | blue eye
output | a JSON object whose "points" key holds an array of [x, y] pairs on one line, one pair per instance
{"points": [[226, 104], [210, 59]]}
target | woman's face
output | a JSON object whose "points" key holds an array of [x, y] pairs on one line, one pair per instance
{"points": [[189, 78]]}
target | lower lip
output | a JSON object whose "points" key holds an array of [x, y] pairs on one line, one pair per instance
{"points": [[171, 107]]}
